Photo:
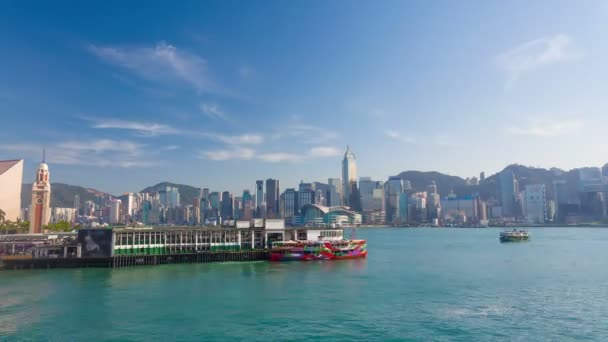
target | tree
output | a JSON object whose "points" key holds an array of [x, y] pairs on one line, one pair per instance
{"points": [[61, 226]]}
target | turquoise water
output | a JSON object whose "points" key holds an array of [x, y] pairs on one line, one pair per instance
{"points": [[417, 284]]}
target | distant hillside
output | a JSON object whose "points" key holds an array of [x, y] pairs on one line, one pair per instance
{"points": [[526, 175], [420, 180], [62, 195], [187, 193]]}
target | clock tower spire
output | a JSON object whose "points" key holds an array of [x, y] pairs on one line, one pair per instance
{"points": [[40, 209]]}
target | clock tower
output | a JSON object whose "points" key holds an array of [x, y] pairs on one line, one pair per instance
{"points": [[40, 209]]}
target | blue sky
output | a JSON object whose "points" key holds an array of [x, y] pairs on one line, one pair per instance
{"points": [[219, 94]]}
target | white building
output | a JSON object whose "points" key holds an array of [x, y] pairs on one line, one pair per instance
{"points": [[115, 210], [535, 203], [11, 178], [63, 214]]}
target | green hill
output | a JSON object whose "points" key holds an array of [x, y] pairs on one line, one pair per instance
{"points": [[62, 195], [187, 193]]}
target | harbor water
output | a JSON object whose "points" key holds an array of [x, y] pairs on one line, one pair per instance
{"points": [[416, 284]]}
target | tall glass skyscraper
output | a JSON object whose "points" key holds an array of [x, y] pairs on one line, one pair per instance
{"points": [[507, 192], [393, 188], [272, 198], [259, 197], [349, 176]]}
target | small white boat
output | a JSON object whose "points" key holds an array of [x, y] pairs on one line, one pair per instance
{"points": [[514, 235]]}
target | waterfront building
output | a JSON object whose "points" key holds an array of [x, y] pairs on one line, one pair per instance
{"points": [[40, 209], [11, 180], [336, 199], [259, 198], [535, 203], [393, 188], [507, 192], [289, 204], [349, 176], [459, 210], [318, 215], [272, 198]]}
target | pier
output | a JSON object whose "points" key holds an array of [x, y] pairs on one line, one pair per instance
{"points": [[121, 261], [127, 247]]}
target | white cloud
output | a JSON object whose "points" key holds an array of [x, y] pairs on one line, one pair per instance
{"points": [[398, 136], [324, 151], [162, 62], [213, 111], [243, 139], [537, 53], [547, 128], [142, 128], [276, 157], [101, 153], [272, 157], [232, 154], [170, 148]]}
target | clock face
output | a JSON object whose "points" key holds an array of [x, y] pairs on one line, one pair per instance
{"points": [[39, 201]]}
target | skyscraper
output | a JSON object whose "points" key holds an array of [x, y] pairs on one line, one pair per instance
{"points": [[366, 190], [507, 192], [259, 197], [40, 210], [393, 188], [115, 205], [169, 196], [289, 207], [535, 203], [349, 176], [272, 198], [77, 204], [248, 205], [337, 184], [227, 210]]}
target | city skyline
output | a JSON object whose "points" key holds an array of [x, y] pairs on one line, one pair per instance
{"points": [[201, 94]]}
